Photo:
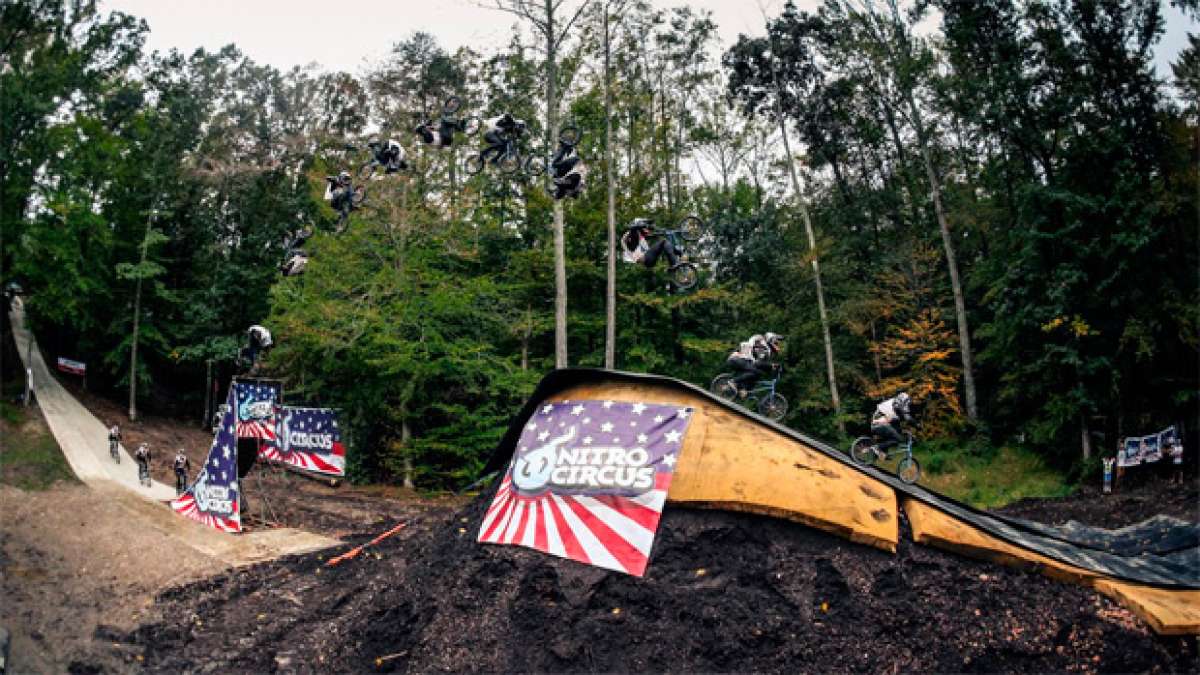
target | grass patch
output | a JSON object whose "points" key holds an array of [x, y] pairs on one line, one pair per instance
{"points": [[990, 478], [30, 458]]}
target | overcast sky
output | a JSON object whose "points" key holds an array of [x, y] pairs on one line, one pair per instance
{"points": [[286, 33]]}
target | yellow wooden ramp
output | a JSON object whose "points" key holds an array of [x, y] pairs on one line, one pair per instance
{"points": [[734, 460]]}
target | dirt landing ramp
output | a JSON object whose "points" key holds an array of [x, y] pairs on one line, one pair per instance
{"points": [[82, 438], [733, 459]]}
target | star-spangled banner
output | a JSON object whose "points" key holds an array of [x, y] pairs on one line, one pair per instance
{"points": [[214, 499], [308, 438], [588, 481], [256, 403]]}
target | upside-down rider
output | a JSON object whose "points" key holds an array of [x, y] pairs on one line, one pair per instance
{"points": [[496, 132], [568, 172], [339, 193], [636, 246], [443, 135], [297, 258], [753, 359], [885, 423], [389, 154]]}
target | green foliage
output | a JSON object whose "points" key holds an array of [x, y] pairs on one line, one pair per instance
{"points": [[29, 456]]}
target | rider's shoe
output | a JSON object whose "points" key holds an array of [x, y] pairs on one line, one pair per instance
{"points": [[879, 454]]}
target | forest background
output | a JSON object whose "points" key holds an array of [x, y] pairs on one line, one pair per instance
{"points": [[999, 214]]}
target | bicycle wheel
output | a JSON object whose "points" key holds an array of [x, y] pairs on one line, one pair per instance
{"points": [[366, 171], [723, 386], [471, 125], [908, 470], [358, 196], [863, 450], [452, 105], [773, 407], [474, 164], [690, 228], [570, 135], [535, 166], [684, 275], [509, 162]]}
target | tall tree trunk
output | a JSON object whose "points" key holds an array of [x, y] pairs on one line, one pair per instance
{"points": [[137, 321], [560, 249], [610, 302], [405, 439], [812, 249], [1085, 437]]}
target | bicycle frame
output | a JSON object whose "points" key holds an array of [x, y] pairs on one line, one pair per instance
{"points": [[898, 450]]}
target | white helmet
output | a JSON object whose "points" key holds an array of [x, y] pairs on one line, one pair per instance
{"points": [[903, 400]]}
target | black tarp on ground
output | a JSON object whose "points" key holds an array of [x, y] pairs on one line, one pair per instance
{"points": [[1180, 569]]}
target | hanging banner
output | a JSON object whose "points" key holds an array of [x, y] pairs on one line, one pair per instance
{"points": [[213, 499], [308, 438], [71, 366], [1169, 444], [588, 482], [255, 407], [1131, 452], [1151, 452]]}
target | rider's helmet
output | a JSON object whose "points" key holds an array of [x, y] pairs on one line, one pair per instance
{"points": [[642, 223], [774, 341], [374, 143], [344, 177], [903, 401]]}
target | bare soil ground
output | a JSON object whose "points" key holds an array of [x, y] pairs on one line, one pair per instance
{"points": [[724, 592]]}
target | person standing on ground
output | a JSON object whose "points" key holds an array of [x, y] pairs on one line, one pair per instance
{"points": [[182, 466]]}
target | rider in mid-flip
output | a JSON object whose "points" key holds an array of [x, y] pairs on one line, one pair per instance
{"points": [[569, 172], [182, 466], [753, 359], [443, 136], [296, 259], [142, 457], [495, 131], [885, 423], [636, 247], [390, 155], [339, 193]]}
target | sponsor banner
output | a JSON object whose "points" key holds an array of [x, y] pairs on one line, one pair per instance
{"points": [[1137, 450], [213, 499], [308, 438], [588, 481], [73, 367], [255, 406], [1130, 453]]}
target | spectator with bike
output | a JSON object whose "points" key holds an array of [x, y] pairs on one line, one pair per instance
{"points": [[754, 359], [142, 457], [885, 423], [114, 442], [568, 171], [182, 466]]}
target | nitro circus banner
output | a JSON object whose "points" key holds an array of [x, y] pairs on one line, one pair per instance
{"points": [[1137, 450], [256, 402], [213, 498], [588, 482], [308, 438]]}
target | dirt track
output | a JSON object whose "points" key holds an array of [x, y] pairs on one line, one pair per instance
{"points": [[724, 592]]}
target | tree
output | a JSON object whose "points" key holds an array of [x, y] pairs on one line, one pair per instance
{"points": [[552, 20]]}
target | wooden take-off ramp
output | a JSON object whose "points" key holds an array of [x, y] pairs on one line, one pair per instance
{"points": [[732, 459]]}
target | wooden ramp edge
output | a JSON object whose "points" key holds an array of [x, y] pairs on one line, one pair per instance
{"points": [[1167, 611], [731, 462]]}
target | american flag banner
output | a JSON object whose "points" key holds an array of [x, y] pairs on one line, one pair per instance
{"points": [[308, 438], [256, 402], [213, 499], [588, 481]]}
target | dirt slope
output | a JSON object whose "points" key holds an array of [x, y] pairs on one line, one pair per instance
{"points": [[724, 592]]}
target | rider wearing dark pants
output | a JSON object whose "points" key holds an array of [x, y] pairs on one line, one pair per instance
{"points": [[885, 424], [389, 155], [142, 456], [636, 247], [497, 131], [443, 137], [569, 172], [182, 465], [339, 193], [753, 360]]}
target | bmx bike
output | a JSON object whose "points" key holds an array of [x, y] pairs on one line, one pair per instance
{"points": [[763, 398], [867, 450]]}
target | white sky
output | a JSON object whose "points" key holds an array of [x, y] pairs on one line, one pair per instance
{"points": [[286, 33]]}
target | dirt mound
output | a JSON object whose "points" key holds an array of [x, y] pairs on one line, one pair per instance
{"points": [[724, 592]]}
